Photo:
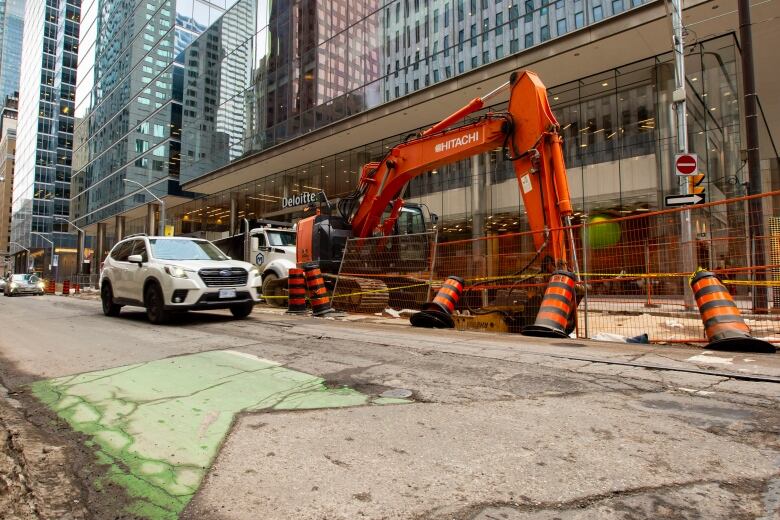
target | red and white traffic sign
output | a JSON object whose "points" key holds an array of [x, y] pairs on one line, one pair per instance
{"points": [[686, 164]]}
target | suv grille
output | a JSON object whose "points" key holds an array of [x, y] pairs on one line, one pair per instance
{"points": [[227, 277]]}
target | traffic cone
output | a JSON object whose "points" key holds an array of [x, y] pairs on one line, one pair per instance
{"points": [[723, 325], [66, 288], [438, 313], [51, 288], [557, 313], [76, 289], [296, 287], [318, 294]]}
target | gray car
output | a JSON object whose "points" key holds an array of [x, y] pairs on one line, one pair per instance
{"points": [[23, 284]]}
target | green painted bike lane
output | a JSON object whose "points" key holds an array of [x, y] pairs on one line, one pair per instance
{"points": [[157, 426]]}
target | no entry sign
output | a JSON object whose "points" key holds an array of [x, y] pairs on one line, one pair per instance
{"points": [[686, 164]]}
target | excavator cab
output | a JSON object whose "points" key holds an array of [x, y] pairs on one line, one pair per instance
{"points": [[322, 238], [411, 219]]}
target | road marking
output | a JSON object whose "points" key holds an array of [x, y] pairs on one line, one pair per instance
{"points": [[158, 425]]}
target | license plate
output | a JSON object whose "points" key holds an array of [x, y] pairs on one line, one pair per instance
{"points": [[227, 293]]}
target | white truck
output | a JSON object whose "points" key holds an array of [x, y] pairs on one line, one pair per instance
{"points": [[270, 245]]}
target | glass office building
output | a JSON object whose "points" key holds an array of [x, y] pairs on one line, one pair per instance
{"points": [[130, 101], [617, 133], [269, 73], [312, 63], [47, 87], [11, 34]]}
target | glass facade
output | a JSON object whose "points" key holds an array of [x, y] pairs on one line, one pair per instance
{"points": [[619, 143], [129, 100], [45, 131], [11, 33], [288, 68]]}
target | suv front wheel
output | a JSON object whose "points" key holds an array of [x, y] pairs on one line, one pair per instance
{"points": [[107, 299], [154, 301], [242, 310]]}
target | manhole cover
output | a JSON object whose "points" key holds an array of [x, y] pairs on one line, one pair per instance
{"points": [[397, 393]]}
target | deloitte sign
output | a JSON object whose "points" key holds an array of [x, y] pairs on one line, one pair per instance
{"points": [[300, 199]]}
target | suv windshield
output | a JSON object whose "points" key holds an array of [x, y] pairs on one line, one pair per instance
{"points": [[281, 238], [178, 249]]}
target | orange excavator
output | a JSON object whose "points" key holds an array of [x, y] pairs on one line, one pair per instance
{"points": [[529, 136]]}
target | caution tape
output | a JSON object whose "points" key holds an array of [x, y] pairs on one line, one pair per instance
{"points": [[361, 293], [758, 283], [616, 276], [375, 291]]}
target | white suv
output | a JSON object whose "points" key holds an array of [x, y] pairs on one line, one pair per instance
{"points": [[169, 274]]}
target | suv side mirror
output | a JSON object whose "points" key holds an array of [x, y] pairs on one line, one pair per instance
{"points": [[135, 259]]}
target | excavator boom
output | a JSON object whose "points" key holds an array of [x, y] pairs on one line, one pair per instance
{"points": [[528, 134]]}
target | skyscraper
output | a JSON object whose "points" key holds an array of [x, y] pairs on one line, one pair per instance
{"points": [[8, 118], [129, 103], [47, 89], [11, 32]]}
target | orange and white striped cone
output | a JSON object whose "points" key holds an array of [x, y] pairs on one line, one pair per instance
{"points": [[296, 287], [723, 325], [557, 313], [76, 289], [66, 288], [51, 288], [438, 313], [318, 293]]}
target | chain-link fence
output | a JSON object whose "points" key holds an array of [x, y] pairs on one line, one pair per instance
{"points": [[392, 272]]}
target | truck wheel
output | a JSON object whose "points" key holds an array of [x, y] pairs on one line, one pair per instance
{"points": [[273, 291], [242, 310], [155, 305]]}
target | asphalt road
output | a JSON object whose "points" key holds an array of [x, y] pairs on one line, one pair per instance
{"points": [[496, 427]]}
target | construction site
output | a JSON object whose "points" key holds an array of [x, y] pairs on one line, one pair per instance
{"points": [[621, 276], [628, 279]]}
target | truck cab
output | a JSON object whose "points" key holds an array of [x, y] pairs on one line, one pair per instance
{"points": [[272, 250]]}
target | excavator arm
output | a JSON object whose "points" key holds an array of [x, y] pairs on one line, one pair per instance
{"points": [[529, 135]]}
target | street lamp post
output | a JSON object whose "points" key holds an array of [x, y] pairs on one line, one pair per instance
{"points": [[79, 247], [52, 251], [161, 226]]}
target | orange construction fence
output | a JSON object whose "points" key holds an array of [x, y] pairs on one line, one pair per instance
{"points": [[633, 270]]}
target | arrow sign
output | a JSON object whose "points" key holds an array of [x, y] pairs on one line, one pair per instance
{"points": [[685, 200]]}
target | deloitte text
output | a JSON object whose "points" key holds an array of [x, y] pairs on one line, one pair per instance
{"points": [[298, 200], [458, 141]]}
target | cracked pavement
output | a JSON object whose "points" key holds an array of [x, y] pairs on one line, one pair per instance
{"points": [[502, 426]]}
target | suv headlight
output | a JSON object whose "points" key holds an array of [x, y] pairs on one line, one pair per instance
{"points": [[14, 285], [176, 271], [254, 272], [41, 285]]}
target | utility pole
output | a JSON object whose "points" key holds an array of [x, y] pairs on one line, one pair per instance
{"points": [[679, 106], [755, 206]]}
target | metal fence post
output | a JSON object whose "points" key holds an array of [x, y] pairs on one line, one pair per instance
{"points": [[648, 279], [433, 262], [585, 270]]}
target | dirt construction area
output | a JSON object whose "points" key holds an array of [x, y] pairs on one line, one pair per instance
{"points": [[35, 475]]}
